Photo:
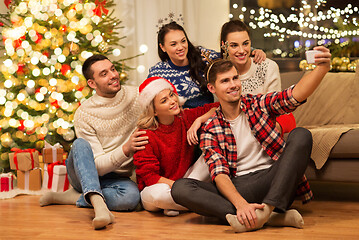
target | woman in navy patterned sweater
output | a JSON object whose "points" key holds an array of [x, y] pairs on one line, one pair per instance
{"points": [[182, 64]]}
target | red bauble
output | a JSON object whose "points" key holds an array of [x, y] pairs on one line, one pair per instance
{"points": [[65, 69], [39, 37], [21, 127], [55, 104], [63, 28], [20, 68], [46, 53]]}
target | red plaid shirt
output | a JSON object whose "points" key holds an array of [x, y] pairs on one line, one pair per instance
{"points": [[219, 144]]}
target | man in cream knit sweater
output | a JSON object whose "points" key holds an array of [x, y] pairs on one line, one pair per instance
{"points": [[100, 161]]}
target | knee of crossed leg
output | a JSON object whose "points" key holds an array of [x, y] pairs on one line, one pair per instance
{"points": [[123, 202], [302, 137], [81, 144], [182, 187]]}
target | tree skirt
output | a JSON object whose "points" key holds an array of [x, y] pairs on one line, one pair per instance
{"points": [[13, 193]]}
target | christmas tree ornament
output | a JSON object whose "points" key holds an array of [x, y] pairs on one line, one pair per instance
{"points": [[303, 64], [123, 76], [337, 61], [103, 47], [6, 140], [345, 60], [74, 48], [343, 67]]}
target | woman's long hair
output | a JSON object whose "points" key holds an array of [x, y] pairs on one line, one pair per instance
{"points": [[196, 64], [148, 120]]}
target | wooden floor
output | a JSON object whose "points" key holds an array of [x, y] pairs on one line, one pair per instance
{"points": [[22, 218]]}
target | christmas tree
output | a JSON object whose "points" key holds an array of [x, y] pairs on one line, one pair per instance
{"points": [[41, 83]]}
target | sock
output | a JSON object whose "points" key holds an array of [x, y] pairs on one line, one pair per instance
{"points": [[103, 216], [68, 197], [290, 218], [262, 217], [170, 212]]}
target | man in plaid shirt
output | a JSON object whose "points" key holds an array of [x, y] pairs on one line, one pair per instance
{"points": [[254, 171]]}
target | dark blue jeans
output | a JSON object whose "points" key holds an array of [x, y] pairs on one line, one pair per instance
{"points": [[119, 193], [275, 186]]}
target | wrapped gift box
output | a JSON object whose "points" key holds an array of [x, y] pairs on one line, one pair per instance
{"points": [[6, 182], [51, 155], [60, 182], [29, 180], [55, 177], [24, 160]]}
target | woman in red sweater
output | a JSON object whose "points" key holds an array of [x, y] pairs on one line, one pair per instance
{"points": [[169, 155]]}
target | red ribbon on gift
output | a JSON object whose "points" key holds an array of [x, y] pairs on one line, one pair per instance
{"points": [[17, 150], [100, 8], [50, 171]]}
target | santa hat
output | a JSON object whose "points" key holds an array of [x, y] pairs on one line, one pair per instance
{"points": [[153, 86]]}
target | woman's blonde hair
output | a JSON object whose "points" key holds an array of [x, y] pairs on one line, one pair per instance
{"points": [[148, 120]]}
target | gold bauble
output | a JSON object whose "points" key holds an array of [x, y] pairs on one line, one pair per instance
{"points": [[58, 66], [74, 48], [6, 140], [54, 31], [43, 82], [103, 47], [351, 67], [303, 64], [39, 144], [4, 156], [52, 109], [32, 138], [343, 67], [66, 51], [123, 76], [19, 134], [86, 29], [337, 61], [69, 135], [345, 60]]}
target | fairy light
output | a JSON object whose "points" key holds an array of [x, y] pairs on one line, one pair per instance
{"points": [[265, 18]]}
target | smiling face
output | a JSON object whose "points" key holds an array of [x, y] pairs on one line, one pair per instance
{"points": [[105, 79], [176, 46], [166, 106], [239, 50], [227, 87]]}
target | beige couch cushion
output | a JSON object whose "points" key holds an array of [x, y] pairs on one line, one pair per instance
{"points": [[335, 101], [330, 112]]}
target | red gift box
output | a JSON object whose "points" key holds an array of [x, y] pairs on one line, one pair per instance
{"points": [[6, 182]]}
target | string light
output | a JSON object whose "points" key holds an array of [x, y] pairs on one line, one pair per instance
{"points": [[265, 18]]}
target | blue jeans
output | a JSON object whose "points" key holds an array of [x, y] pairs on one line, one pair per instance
{"points": [[119, 193]]}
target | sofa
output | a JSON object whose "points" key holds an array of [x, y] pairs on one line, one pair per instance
{"points": [[331, 113]]}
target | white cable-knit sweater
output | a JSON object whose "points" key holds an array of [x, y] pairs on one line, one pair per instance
{"points": [[107, 123]]}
